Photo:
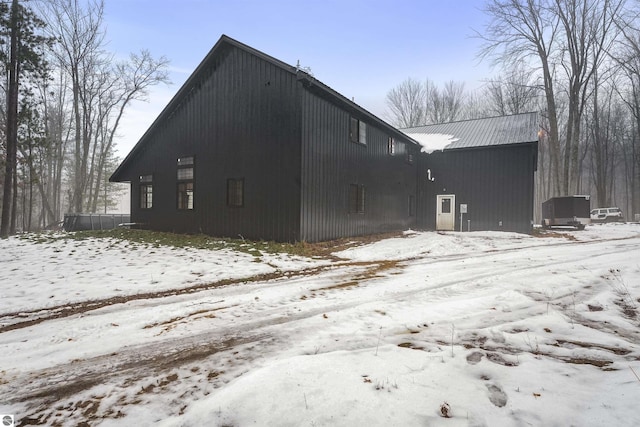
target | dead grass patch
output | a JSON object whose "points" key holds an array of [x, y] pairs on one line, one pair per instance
{"points": [[199, 314], [498, 359], [582, 344], [541, 232], [584, 361], [410, 345], [343, 285], [373, 270], [214, 374]]}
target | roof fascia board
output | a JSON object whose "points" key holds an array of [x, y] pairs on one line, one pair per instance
{"points": [[484, 147]]}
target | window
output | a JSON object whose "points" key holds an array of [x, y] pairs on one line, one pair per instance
{"points": [[146, 191], [412, 205], [354, 129], [235, 193], [185, 176], [446, 205], [409, 155], [362, 135], [391, 146], [358, 131], [185, 195], [185, 161], [356, 198]]}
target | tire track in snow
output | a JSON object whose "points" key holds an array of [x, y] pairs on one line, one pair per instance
{"points": [[133, 363], [22, 319]]}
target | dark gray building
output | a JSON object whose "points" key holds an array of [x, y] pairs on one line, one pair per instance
{"points": [[253, 147], [485, 166]]}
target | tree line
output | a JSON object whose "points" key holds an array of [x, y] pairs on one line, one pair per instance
{"points": [[575, 61], [65, 99]]}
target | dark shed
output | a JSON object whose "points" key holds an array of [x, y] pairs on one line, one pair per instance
{"points": [[485, 167], [572, 211], [253, 147]]}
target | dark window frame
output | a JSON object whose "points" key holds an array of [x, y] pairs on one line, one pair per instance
{"points": [[409, 158], [146, 192], [391, 146], [186, 161], [185, 187], [235, 192], [357, 131], [185, 193]]}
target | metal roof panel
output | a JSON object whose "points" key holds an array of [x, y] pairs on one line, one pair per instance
{"points": [[501, 130]]}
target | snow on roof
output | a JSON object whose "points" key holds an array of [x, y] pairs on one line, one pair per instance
{"points": [[431, 142], [490, 131]]}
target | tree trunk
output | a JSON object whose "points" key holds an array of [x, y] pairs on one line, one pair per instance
{"points": [[12, 126], [553, 135], [14, 203]]}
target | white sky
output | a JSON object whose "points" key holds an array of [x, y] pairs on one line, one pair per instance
{"points": [[360, 48]]}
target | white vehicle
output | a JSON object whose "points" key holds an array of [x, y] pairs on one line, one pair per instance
{"points": [[606, 215]]}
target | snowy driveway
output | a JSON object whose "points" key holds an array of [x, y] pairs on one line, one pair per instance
{"points": [[498, 325]]}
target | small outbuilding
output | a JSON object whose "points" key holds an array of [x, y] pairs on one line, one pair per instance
{"points": [[478, 174], [572, 211]]}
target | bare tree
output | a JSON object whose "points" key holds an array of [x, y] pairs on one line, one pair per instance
{"points": [[603, 122], [476, 105], [444, 105], [513, 92], [413, 103], [100, 90], [589, 33], [130, 81], [627, 56], [80, 38], [52, 159], [526, 31], [406, 103]]}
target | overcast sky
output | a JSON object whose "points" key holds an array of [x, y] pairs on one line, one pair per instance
{"points": [[360, 48]]}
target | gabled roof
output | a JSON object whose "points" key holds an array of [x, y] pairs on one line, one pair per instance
{"points": [[491, 131], [311, 83]]}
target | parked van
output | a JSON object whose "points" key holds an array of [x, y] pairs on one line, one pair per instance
{"points": [[607, 215]]}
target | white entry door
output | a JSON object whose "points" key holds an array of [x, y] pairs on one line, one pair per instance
{"points": [[446, 212]]}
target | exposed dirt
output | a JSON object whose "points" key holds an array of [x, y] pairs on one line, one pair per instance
{"points": [[540, 232], [570, 344], [497, 396], [134, 365], [14, 319]]}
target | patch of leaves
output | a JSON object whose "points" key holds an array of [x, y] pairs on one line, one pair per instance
{"points": [[204, 241]]}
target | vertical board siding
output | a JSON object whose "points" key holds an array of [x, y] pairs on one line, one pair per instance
{"points": [[246, 117], [331, 162], [240, 120], [495, 182]]}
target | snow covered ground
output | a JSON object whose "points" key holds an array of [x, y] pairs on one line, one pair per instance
{"points": [[438, 329]]}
